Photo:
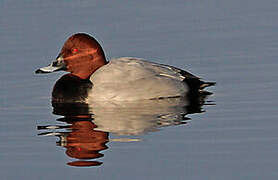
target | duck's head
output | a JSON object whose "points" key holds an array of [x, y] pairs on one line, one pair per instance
{"points": [[81, 55]]}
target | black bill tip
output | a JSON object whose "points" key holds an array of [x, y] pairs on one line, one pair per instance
{"points": [[39, 71]]}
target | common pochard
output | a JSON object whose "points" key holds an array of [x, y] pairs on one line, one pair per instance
{"points": [[93, 78]]}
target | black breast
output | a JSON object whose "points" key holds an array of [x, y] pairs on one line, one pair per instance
{"points": [[71, 89]]}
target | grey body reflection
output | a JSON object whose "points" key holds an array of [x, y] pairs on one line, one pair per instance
{"points": [[87, 128]]}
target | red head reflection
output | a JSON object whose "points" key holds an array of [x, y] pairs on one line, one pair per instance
{"points": [[85, 143]]}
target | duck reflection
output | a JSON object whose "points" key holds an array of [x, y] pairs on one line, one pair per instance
{"points": [[86, 132], [80, 139], [84, 143]]}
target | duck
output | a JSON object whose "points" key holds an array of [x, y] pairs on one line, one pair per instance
{"points": [[92, 78]]}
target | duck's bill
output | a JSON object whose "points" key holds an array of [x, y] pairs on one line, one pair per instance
{"points": [[56, 65]]}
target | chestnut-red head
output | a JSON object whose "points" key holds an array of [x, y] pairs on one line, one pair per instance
{"points": [[81, 55]]}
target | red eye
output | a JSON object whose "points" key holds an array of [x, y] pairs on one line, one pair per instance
{"points": [[75, 50]]}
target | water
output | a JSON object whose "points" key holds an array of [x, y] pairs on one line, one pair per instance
{"points": [[231, 42]]}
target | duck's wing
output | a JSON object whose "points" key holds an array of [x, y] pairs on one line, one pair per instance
{"points": [[129, 78], [194, 82]]}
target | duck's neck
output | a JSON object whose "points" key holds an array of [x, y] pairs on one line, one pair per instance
{"points": [[98, 62], [90, 67]]}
